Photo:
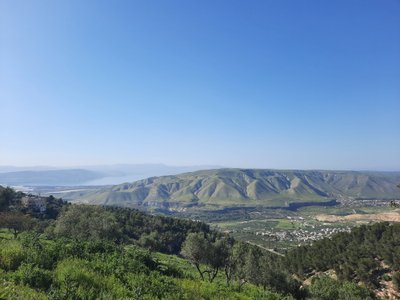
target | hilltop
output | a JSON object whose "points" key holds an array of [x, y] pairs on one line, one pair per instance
{"points": [[220, 188]]}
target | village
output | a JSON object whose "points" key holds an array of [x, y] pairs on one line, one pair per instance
{"points": [[301, 235]]}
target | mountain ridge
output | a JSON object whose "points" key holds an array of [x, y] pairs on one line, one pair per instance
{"points": [[243, 187]]}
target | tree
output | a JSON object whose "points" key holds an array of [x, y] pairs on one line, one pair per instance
{"points": [[199, 250], [16, 222], [7, 195], [150, 241], [87, 222], [239, 252], [217, 257], [229, 261], [252, 265], [195, 250]]}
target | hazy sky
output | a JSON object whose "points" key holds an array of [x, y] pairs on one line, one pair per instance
{"points": [[268, 84]]}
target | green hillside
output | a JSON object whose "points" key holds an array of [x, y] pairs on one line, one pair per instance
{"points": [[215, 189], [96, 252]]}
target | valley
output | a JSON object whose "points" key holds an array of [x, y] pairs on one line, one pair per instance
{"points": [[271, 208], [279, 213], [283, 229]]}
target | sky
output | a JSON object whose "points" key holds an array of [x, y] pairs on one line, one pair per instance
{"points": [[253, 84]]}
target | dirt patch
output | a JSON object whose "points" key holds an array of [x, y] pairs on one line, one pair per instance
{"points": [[393, 216]]}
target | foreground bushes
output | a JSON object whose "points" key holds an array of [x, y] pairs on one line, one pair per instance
{"points": [[10, 290], [34, 268], [11, 255]]}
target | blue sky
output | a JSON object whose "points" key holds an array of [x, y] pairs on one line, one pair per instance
{"points": [[267, 84]]}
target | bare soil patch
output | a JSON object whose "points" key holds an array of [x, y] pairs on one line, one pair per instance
{"points": [[393, 216]]}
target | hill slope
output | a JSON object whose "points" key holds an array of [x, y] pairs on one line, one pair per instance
{"points": [[248, 187]]}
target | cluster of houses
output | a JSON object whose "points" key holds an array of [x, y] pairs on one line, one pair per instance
{"points": [[302, 235]]}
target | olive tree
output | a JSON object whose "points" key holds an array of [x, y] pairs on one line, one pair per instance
{"points": [[87, 222]]}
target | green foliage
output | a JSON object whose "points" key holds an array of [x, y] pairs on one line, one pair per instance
{"points": [[11, 254], [93, 252], [10, 290], [150, 241], [354, 256], [195, 250], [76, 279], [199, 290], [7, 197], [100, 269], [10, 200], [325, 288], [352, 291], [16, 222], [158, 233], [33, 276], [83, 222], [151, 286], [249, 187], [53, 207]]}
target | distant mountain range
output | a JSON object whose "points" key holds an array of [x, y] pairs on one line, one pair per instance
{"points": [[87, 175], [49, 177], [248, 187]]}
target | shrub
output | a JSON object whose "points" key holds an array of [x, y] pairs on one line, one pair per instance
{"points": [[77, 280], [9, 290], [152, 286], [33, 276], [326, 288], [352, 291], [11, 254], [74, 279]]}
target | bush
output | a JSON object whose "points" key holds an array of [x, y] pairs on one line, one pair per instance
{"points": [[33, 276], [352, 291], [38, 252], [152, 286], [199, 290], [74, 278], [9, 290], [326, 288], [11, 255]]}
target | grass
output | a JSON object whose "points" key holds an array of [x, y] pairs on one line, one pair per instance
{"points": [[288, 224]]}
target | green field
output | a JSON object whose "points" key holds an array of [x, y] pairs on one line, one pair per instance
{"points": [[260, 226]]}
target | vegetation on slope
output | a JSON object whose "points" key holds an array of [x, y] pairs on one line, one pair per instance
{"points": [[368, 255], [91, 252], [365, 254], [36, 268], [243, 187]]}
